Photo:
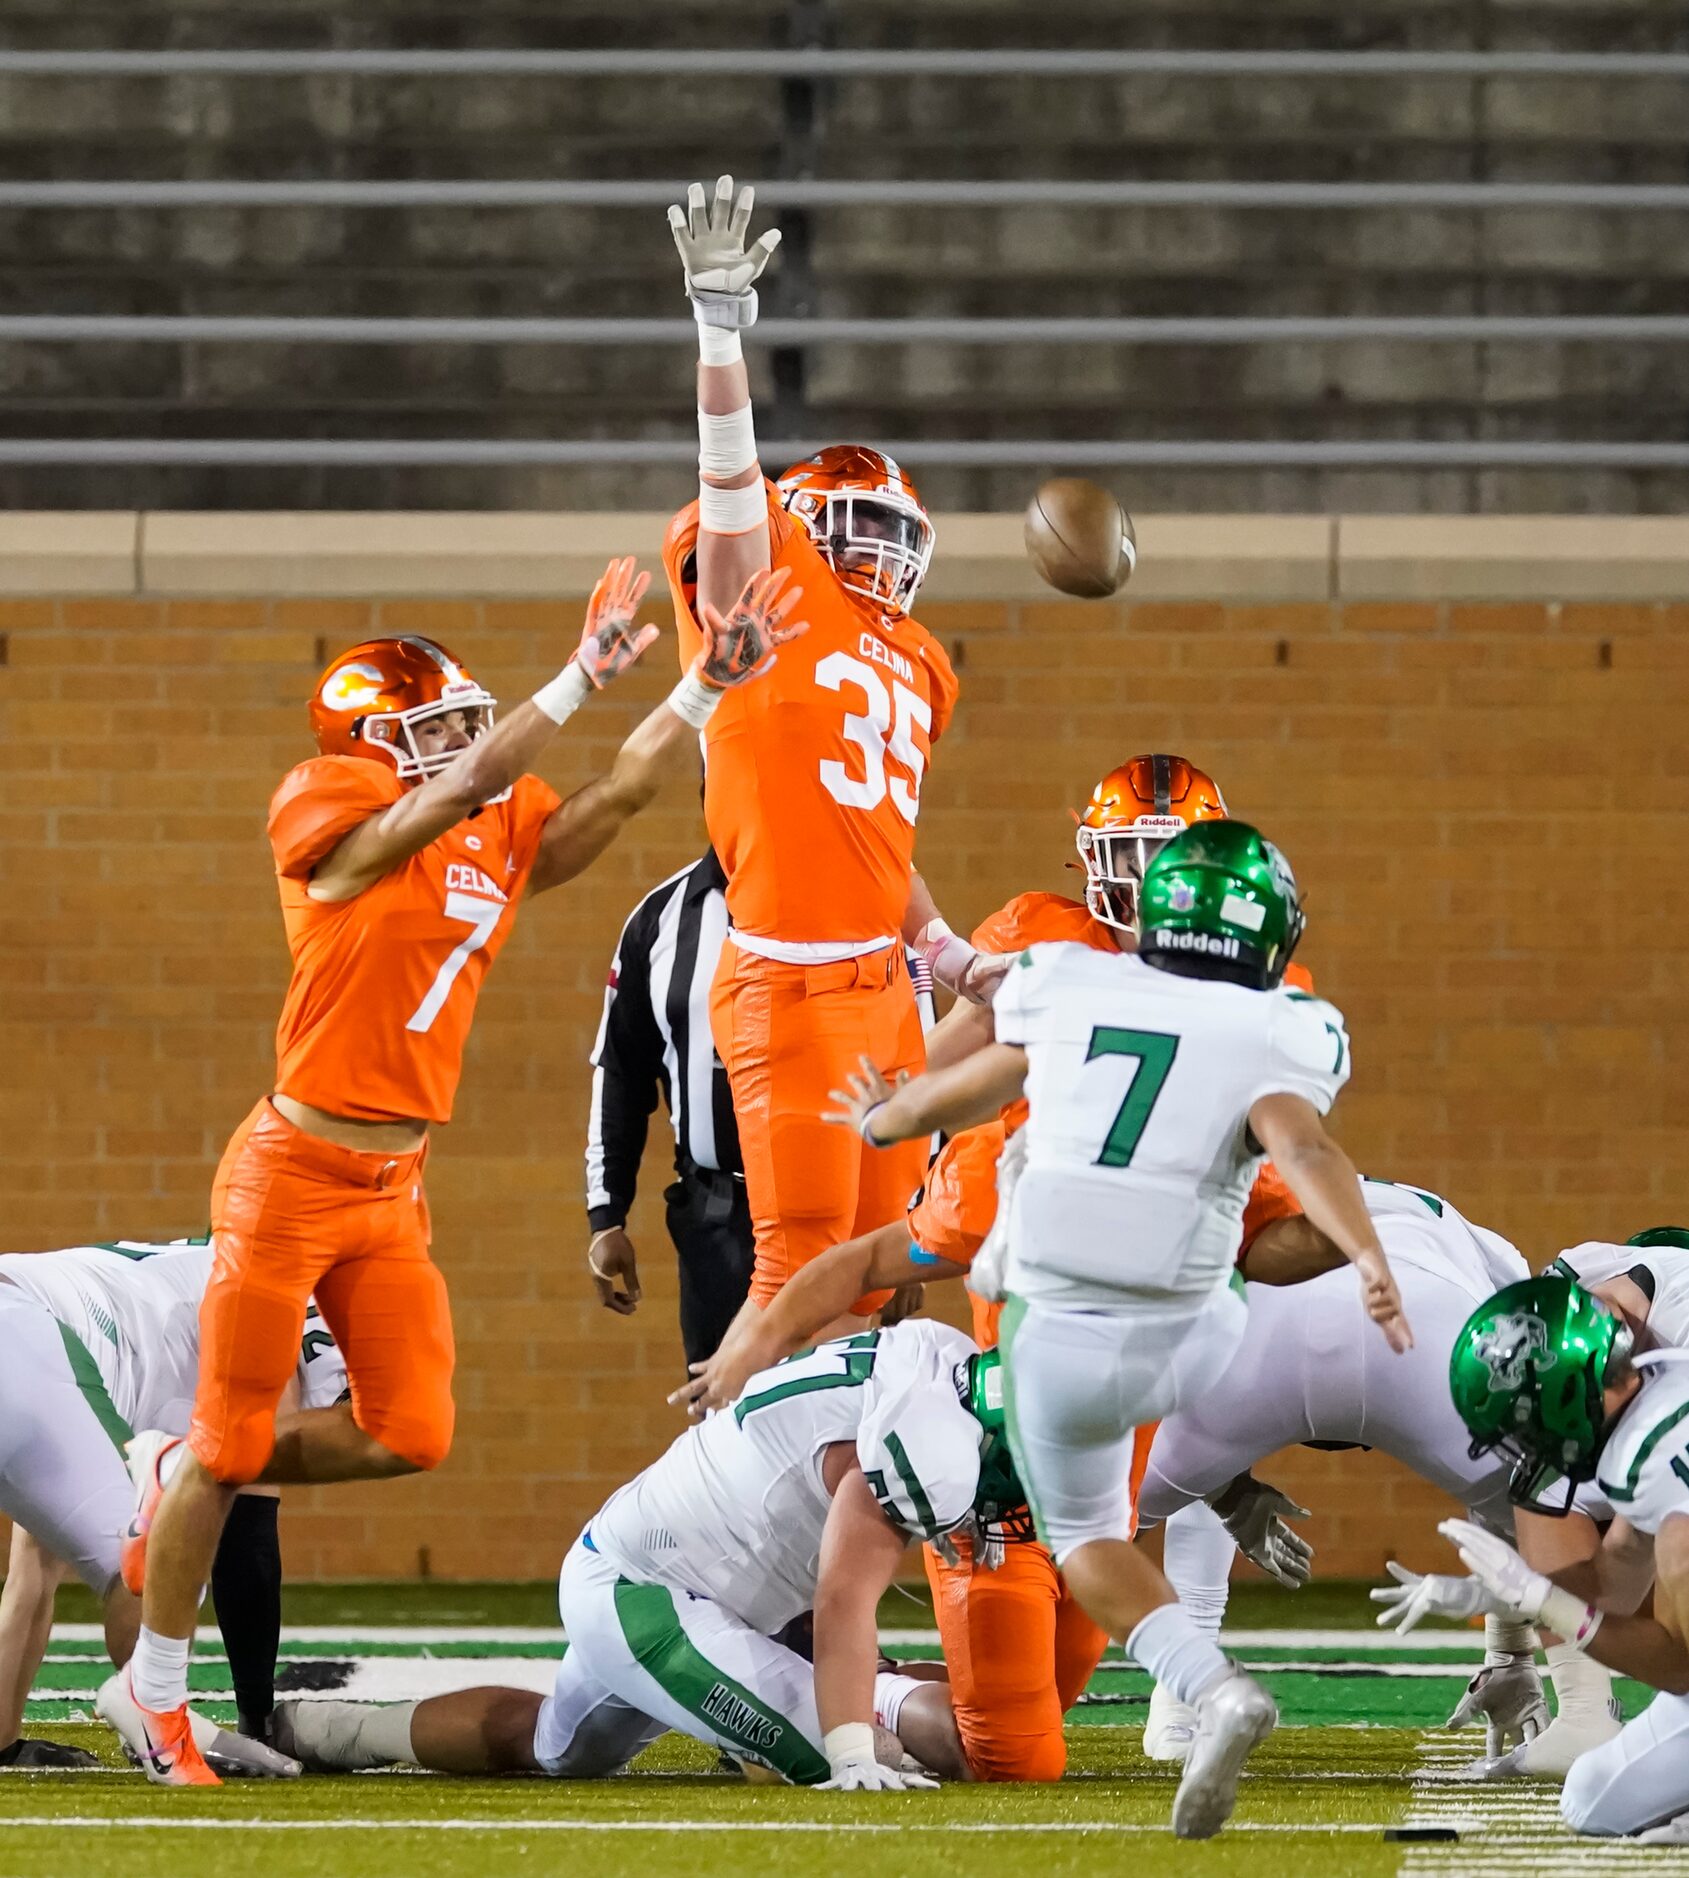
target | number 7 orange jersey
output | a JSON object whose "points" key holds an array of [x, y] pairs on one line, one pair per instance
{"points": [[813, 774]]}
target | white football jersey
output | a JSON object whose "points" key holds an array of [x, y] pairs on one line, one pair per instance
{"points": [[1140, 1084], [132, 1305], [734, 1511], [1420, 1229], [1644, 1470], [1666, 1283]]}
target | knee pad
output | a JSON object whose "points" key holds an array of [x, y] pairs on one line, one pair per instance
{"points": [[1040, 1757], [1581, 1799], [424, 1444]]}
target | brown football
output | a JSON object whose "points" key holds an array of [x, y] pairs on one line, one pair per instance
{"points": [[1079, 538]]}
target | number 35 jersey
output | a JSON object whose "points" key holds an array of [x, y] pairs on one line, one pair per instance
{"points": [[384, 984], [813, 774], [735, 1510], [1139, 1158]]}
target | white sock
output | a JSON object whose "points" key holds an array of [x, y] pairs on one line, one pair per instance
{"points": [[352, 1736], [891, 1691], [158, 1671], [1197, 1558], [1582, 1686], [1176, 1653], [169, 1461]]}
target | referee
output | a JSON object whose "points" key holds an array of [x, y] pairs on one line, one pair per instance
{"points": [[655, 1036]]}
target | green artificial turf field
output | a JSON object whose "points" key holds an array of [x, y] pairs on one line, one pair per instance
{"points": [[1359, 1750]]}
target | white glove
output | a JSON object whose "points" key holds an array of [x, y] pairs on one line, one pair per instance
{"points": [[1254, 1519], [855, 1769], [1518, 1589], [1435, 1594], [1507, 1694], [721, 272]]}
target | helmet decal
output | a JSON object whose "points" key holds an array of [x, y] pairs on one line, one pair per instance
{"points": [[352, 687], [1508, 1345]]}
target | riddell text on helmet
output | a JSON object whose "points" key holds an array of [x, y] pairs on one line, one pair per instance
{"points": [[1164, 941]]}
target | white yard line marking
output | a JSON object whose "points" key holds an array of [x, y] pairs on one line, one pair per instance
{"points": [[147, 1823]]}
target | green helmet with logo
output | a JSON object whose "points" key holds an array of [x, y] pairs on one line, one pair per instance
{"points": [[1220, 901], [1001, 1496], [1527, 1373], [1676, 1237]]}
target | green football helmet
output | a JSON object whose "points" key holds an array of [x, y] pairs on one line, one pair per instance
{"points": [[1001, 1496], [1674, 1236], [1220, 901], [1526, 1374]]}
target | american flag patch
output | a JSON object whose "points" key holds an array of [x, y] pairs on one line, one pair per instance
{"points": [[920, 973]]}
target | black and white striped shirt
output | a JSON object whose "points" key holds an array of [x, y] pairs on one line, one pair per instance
{"points": [[654, 1036]]}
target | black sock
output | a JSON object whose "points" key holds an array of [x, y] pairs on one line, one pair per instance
{"points": [[246, 1582]]}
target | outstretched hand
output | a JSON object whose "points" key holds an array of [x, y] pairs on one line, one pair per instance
{"points": [[866, 1091], [743, 645], [721, 272], [608, 644]]}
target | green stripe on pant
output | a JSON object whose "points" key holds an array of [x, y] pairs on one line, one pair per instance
{"points": [[652, 1629], [89, 1380]]}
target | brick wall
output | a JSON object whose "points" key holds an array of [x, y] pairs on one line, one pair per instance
{"points": [[1484, 803]]}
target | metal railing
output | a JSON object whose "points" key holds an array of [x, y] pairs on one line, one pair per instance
{"points": [[972, 453], [320, 330], [817, 62], [837, 193]]}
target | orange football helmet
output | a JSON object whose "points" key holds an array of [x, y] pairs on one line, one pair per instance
{"points": [[371, 698], [861, 511], [1132, 815]]}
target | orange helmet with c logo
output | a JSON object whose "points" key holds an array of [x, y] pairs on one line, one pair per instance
{"points": [[370, 700], [860, 509], [1133, 813]]}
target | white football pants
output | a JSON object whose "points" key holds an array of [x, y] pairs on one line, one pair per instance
{"points": [[1638, 1779], [62, 1476], [1312, 1366], [1078, 1386], [644, 1658]]}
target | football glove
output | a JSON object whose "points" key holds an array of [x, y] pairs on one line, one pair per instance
{"points": [[608, 643], [1415, 1596], [746, 643], [721, 272], [1255, 1516], [1518, 1589], [856, 1769], [1506, 1695]]}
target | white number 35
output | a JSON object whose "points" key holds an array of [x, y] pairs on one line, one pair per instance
{"points": [[875, 733]]}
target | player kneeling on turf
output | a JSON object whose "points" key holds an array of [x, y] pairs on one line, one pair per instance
{"points": [[1548, 1375], [803, 1495]]}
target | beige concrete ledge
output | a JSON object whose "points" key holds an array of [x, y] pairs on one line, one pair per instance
{"points": [[1244, 558], [349, 556], [90, 551], [1512, 557]]}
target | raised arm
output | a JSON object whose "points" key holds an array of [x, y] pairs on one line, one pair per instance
{"points": [[490, 764], [1324, 1180], [721, 276], [963, 1096]]}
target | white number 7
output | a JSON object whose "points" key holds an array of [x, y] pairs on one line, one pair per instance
{"points": [[483, 915]]}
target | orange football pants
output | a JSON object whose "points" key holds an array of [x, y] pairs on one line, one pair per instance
{"points": [[788, 1035], [1020, 1652], [292, 1215]]}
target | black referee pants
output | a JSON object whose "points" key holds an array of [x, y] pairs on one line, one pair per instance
{"points": [[709, 1221]]}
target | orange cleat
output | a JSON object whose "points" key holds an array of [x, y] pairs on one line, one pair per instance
{"points": [[163, 1746], [146, 1451]]}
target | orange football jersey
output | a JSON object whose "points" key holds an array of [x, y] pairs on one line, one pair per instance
{"points": [[955, 1208], [813, 774], [384, 985]]}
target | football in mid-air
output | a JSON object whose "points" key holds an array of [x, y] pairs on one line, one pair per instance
{"points": [[1079, 538]]}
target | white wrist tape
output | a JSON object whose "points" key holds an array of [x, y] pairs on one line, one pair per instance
{"points": [[693, 701], [727, 442], [1507, 1636], [848, 1745], [732, 511], [565, 695], [719, 345], [1567, 1613]]}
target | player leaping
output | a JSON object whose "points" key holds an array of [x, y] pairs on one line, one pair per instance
{"points": [[401, 852], [812, 786]]}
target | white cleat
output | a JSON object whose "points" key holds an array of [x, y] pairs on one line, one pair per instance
{"points": [[1169, 1728], [1551, 1754], [1232, 1720]]}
